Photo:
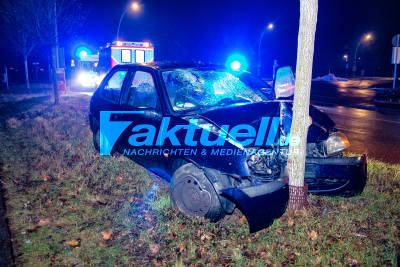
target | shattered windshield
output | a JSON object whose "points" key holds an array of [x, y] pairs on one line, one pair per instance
{"points": [[192, 89]]}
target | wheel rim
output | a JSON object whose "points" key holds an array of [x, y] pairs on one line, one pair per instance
{"points": [[191, 198]]}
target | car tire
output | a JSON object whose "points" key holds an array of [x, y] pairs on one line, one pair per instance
{"points": [[193, 194]]}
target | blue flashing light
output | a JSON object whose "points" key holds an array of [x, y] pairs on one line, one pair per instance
{"points": [[82, 51], [236, 62], [235, 65]]}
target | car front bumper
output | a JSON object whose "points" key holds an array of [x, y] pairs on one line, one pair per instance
{"points": [[261, 204], [339, 175]]}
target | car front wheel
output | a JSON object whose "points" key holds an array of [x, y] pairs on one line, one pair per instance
{"points": [[193, 194]]}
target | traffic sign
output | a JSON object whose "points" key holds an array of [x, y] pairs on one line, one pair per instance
{"points": [[395, 56], [396, 40]]}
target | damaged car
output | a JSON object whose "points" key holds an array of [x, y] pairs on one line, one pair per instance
{"points": [[219, 137]]}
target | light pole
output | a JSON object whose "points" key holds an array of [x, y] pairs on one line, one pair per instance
{"points": [[268, 27], [365, 38], [135, 7], [346, 66]]}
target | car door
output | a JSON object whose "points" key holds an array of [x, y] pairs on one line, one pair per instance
{"points": [[141, 97], [107, 97]]}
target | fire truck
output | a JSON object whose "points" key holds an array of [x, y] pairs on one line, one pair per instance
{"points": [[121, 52]]}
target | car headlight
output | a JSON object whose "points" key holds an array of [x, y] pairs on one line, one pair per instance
{"points": [[336, 143], [87, 79]]}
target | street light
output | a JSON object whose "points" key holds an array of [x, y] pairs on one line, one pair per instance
{"points": [[368, 37], [364, 39], [269, 27], [346, 57], [135, 6]]}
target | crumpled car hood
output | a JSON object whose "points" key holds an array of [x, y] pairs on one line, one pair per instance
{"points": [[242, 114]]}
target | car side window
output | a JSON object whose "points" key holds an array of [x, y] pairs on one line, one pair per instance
{"points": [[112, 88], [142, 92]]}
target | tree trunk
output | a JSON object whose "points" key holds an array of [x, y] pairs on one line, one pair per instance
{"points": [[301, 119], [54, 74], [28, 86], [55, 57]]}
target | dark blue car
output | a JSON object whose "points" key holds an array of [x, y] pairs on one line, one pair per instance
{"points": [[219, 137]]}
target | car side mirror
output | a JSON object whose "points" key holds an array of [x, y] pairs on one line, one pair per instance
{"points": [[284, 83]]}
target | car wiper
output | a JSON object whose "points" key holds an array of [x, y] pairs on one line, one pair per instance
{"points": [[230, 101]]}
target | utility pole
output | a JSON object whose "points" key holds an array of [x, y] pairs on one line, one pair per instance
{"points": [[55, 58]]}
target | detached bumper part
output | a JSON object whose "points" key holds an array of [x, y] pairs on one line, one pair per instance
{"points": [[261, 204], [336, 175]]}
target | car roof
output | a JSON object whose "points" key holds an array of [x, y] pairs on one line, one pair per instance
{"points": [[164, 65]]}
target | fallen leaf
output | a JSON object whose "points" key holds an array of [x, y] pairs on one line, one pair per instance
{"points": [[181, 248], [48, 203], [243, 219], [291, 256], [73, 243], [318, 260], [43, 222], [313, 235], [106, 235], [205, 237], [154, 248], [382, 224], [131, 199], [46, 177], [100, 244], [118, 179], [181, 227], [358, 246], [274, 248], [290, 222]]}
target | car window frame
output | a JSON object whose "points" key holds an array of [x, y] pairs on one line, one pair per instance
{"points": [[124, 95], [108, 77]]}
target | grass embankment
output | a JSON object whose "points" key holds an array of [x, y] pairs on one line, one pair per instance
{"points": [[69, 206]]}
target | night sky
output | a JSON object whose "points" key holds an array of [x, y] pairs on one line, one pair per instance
{"points": [[212, 30]]}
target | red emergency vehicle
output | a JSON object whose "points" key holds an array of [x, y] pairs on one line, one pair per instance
{"points": [[121, 52]]}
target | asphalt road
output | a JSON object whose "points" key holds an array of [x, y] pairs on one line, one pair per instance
{"points": [[371, 130]]}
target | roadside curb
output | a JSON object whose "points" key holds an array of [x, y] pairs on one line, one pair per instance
{"points": [[387, 104]]}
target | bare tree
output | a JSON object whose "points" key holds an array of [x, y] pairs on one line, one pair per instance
{"points": [[59, 19], [30, 23], [301, 119], [20, 22]]}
